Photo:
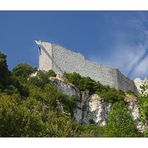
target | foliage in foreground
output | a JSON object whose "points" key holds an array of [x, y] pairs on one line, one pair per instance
{"points": [[120, 122], [28, 106]]}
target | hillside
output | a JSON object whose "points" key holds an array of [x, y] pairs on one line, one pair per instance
{"points": [[42, 104]]}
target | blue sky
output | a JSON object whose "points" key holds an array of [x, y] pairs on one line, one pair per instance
{"points": [[118, 39]]}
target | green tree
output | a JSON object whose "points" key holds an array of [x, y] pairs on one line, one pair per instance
{"points": [[35, 118], [111, 95], [23, 70], [51, 73], [120, 123], [41, 79], [83, 83], [143, 103], [4, 72]]}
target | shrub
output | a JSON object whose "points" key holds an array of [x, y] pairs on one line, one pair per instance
{"points": [[86, 83], [23, 70], [143, 103], [83, 83], [143, 106], [131, 93], [32, 118], [40, 80], [120, 123], [112, 95], [51, 73]]}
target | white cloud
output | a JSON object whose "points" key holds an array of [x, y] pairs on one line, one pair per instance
{"points": [[127, 56], [129, 49], [142, 68], [124, 57]]}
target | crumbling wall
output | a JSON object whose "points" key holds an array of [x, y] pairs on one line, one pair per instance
{"points": [[125, 84], [45, 56], [74, 62], [62, 60]]}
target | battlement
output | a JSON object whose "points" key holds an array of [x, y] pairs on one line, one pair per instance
{"points": [[60, 60]]}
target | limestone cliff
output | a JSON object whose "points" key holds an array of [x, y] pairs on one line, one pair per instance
{"points": [[94, 109], [134, 110], [62, 86], [138, 82]]}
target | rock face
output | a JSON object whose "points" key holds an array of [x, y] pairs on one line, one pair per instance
{"points": [[98, 110], [89, 108], [68, 89], [94, 109], [82, 108], [138, 82], [133, 108]]}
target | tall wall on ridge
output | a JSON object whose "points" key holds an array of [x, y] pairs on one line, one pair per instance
{"points": [[74, 62], [62, 60]]}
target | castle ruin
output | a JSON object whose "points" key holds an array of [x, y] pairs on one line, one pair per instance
{"points": [[60, 60]]}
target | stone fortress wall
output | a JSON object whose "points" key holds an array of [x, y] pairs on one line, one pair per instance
{"points": [[45, 62], [60, 60]]}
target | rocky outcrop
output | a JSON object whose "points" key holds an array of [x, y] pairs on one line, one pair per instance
{"points": [[88, 108], [98, 110], [68, 89], [138, 82], [92, 109], [82, 108], [134, 110]]}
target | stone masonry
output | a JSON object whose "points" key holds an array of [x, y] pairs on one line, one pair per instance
{"points": [[60, 60]]}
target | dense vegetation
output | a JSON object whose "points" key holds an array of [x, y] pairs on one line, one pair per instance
{"points": [[143, 106], [86, 83], [28, 106]]}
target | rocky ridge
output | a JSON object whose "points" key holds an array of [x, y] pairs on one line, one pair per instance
{"points": [[93, 108], [139, 82]]}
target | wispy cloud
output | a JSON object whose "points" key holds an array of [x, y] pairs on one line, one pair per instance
{"points": [[130, 52]]}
